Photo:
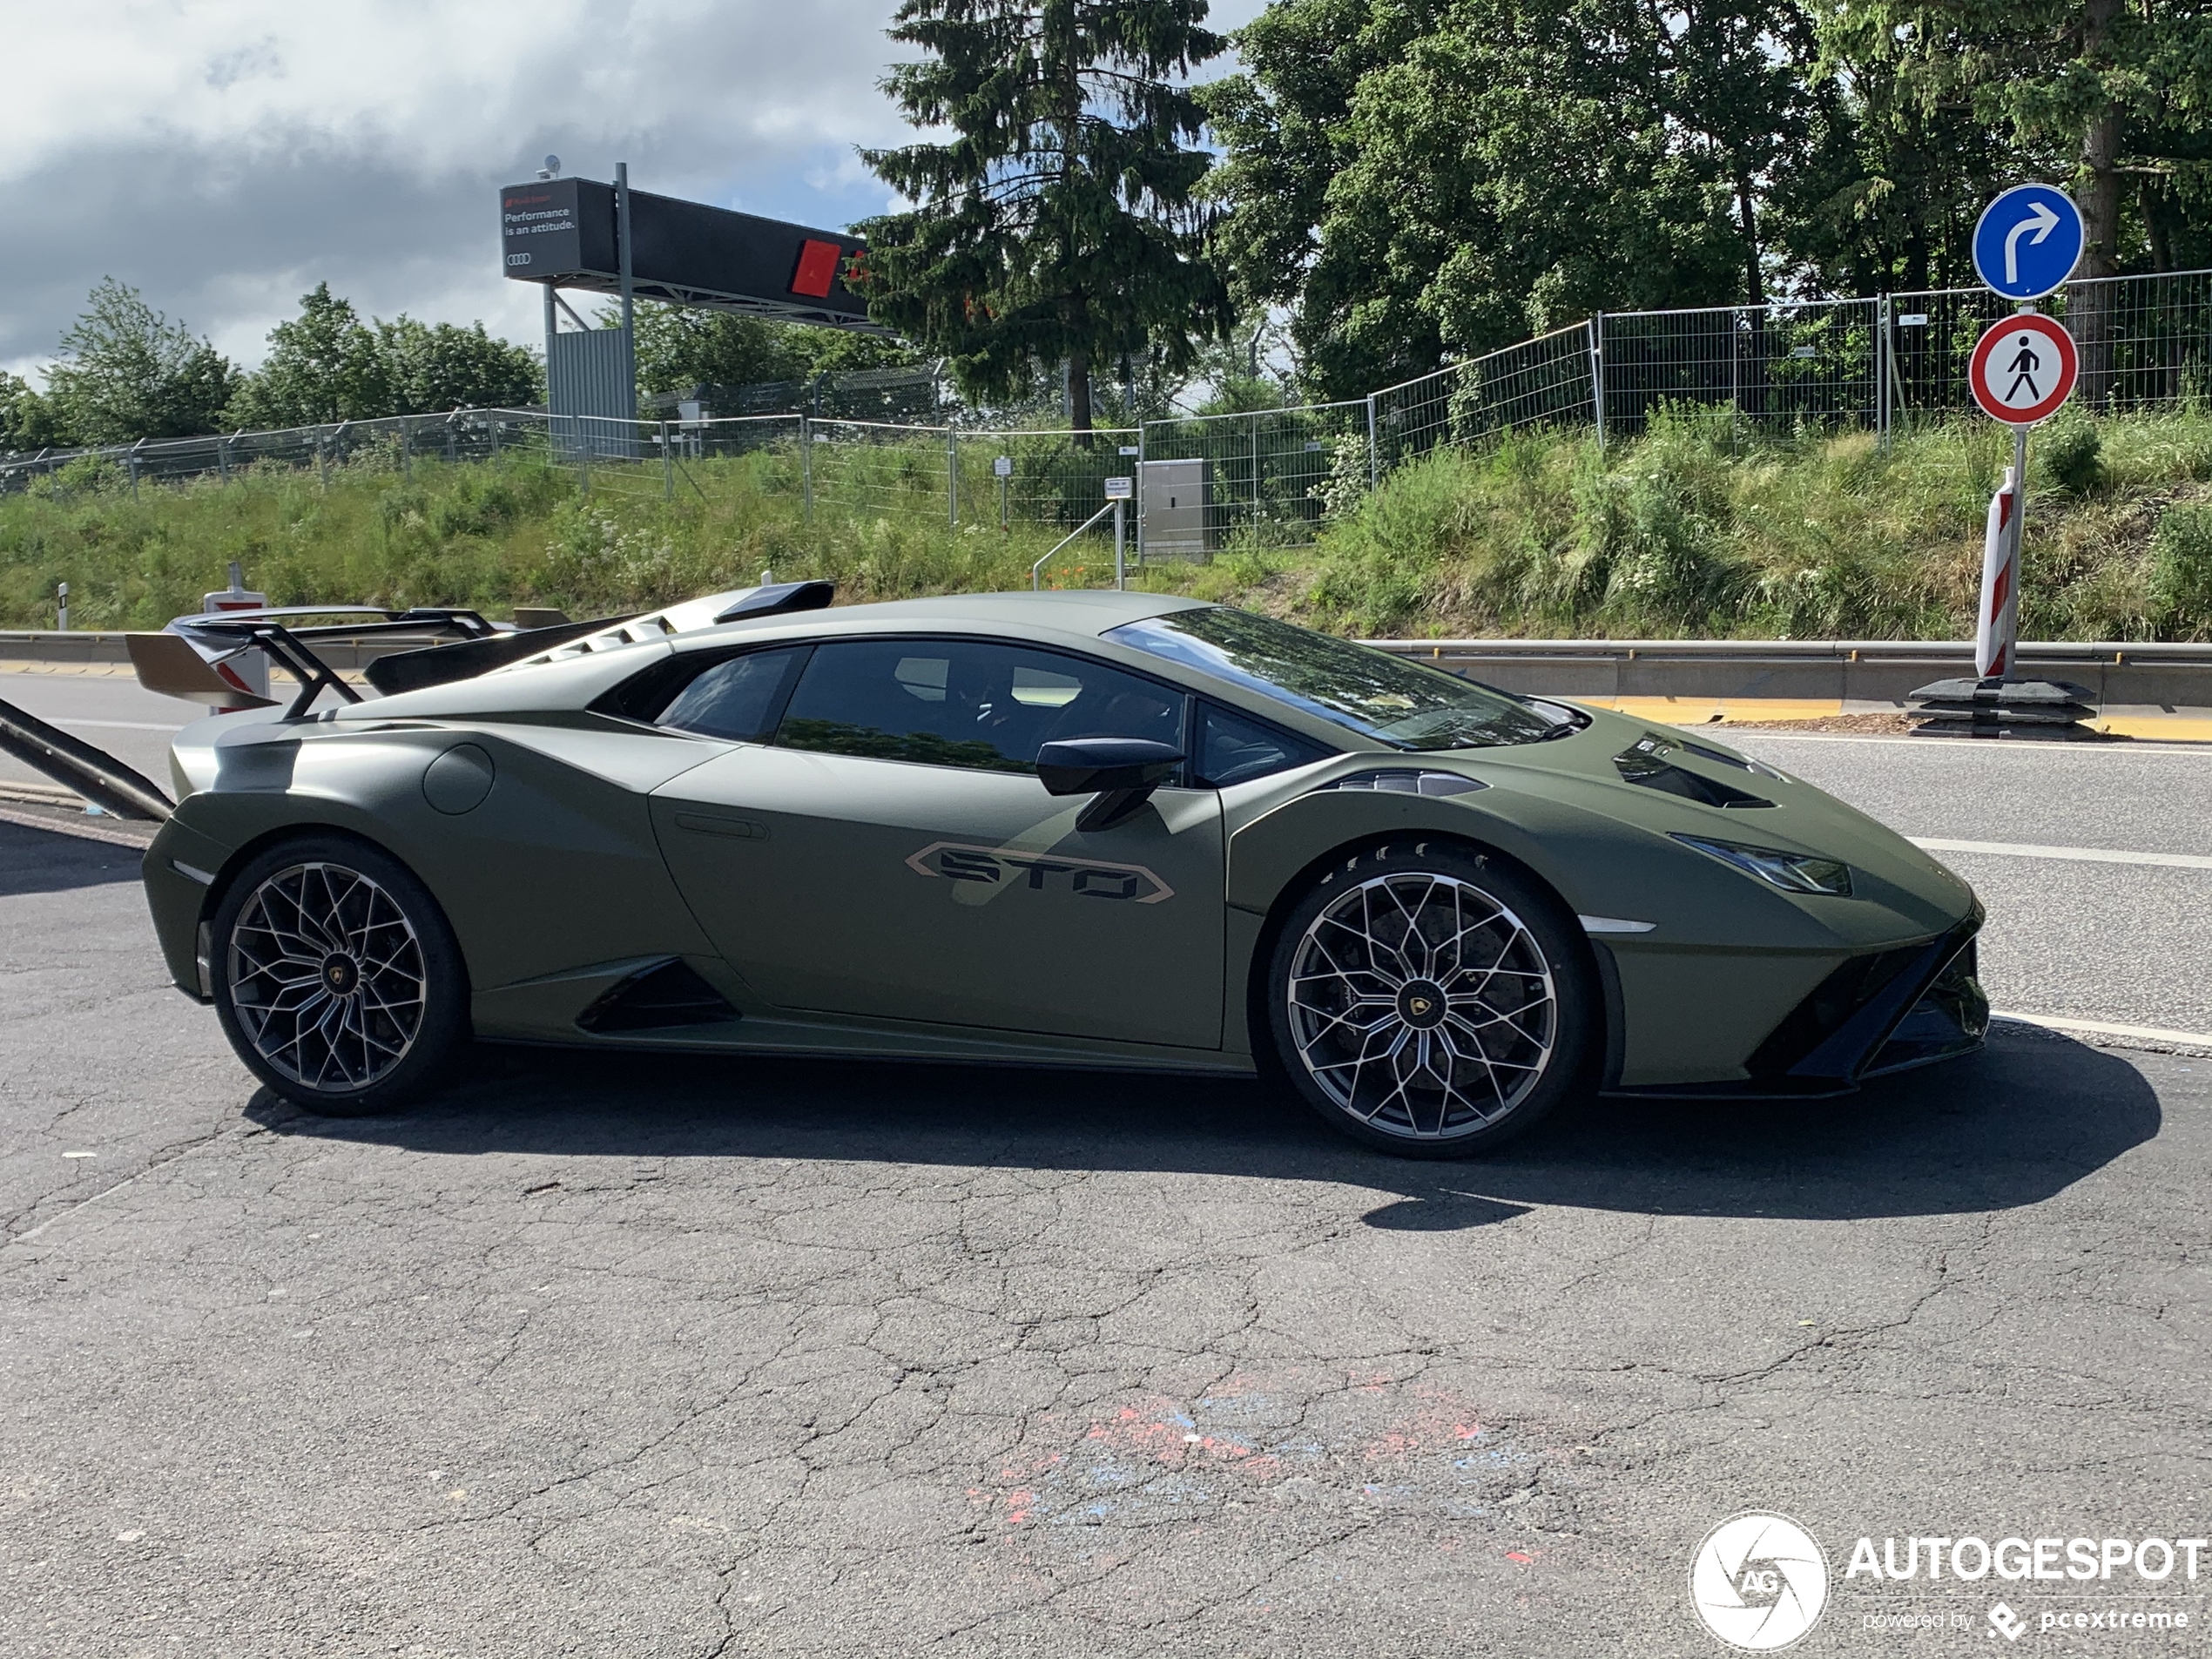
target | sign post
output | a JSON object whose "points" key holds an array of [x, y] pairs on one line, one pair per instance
{"points": [[2023, 369], [1120, 491]]}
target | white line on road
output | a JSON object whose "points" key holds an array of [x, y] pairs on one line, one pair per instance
{"points": [[1946, 746], [2104, 1029], [2082, 854]]}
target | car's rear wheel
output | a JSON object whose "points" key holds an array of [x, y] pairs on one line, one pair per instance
{"points": [[336, 976], [1428, 1000]]}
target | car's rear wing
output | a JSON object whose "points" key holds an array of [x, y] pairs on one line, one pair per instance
{"points": [[191, 658]]}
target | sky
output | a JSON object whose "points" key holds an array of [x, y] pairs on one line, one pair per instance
{"points": [[224, 156]]}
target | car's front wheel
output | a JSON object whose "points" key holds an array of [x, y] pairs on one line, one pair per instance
{"points": [[1428, 1000], [336, 976]]}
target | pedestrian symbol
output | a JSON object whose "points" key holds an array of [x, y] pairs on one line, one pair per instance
{"points": [[2023, 369]]}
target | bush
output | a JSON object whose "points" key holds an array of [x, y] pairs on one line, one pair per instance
{"points": [[2181, 570], [2071, 454]]}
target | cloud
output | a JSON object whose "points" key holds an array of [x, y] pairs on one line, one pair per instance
{"points": [[223, 156]]}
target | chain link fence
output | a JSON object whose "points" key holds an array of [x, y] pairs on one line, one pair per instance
{"points": [[1270, 477]]}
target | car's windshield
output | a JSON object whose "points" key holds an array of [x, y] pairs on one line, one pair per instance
{"points": [[1405, 704]]}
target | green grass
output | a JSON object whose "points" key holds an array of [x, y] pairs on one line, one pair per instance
{"points": [[503, 533], [1690, 530]]}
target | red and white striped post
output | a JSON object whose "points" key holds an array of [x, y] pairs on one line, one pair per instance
{"points": [[1997, 626]]}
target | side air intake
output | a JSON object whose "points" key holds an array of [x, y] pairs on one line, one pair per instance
{"points": [[669, 995]]}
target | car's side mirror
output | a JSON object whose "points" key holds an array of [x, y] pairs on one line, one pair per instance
{"points": [[1120, 772]]}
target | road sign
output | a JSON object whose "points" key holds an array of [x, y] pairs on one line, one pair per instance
{"points": [[2027, 241], [2023, 369]]}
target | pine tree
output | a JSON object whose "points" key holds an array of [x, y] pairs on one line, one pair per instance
{"points": [[1060, 221]]}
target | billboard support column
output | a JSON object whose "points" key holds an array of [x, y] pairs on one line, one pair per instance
{"points": [[628, 284]]}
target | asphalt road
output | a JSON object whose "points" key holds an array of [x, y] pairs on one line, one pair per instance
{"points": [[114, 713], [606, 1356]]}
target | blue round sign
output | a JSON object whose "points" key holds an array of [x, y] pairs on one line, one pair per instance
{"points": [[2028, 241]]}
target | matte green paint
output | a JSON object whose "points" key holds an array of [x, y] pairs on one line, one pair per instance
{"points": [[861, 905]]}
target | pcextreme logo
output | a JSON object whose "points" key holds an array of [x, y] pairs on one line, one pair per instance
{"points": [[1758, 1581]]}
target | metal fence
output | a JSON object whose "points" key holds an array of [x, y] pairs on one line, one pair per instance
{"points": [[1271, 476]]}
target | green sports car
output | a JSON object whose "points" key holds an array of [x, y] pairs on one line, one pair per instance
{"points": [[1096, 829]]}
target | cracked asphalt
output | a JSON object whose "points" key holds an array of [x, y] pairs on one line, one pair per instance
{"points": [[610, 1356]]}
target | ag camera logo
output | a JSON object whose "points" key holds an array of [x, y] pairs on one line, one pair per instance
{"points": [[1758, 1581]]}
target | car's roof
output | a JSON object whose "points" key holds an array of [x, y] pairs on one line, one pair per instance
{"points": [[1074, 611]]}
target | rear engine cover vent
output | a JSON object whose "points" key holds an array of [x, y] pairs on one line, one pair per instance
{"points": [[1645, 762], [669, 995]]}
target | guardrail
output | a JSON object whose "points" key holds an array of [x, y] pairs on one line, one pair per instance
{"points": [[1857, 675]]}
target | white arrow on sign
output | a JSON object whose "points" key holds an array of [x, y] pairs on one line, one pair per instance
{"points": [[2043, 222]]}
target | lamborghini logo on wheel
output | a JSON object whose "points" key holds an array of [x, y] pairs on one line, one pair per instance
{"points": [[1045, 872]]}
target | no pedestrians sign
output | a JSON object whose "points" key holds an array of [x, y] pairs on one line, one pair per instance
{"points": [[2023, 369]]}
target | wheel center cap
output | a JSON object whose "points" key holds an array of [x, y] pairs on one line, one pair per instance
{"points": [[1420, 1003], [340, 973]]}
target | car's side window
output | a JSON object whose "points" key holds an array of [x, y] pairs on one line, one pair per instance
{"points": [[736, 699], [1235, 748], [966, 703]]}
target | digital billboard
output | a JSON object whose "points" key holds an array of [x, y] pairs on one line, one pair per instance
{"points": [[563, 231]]}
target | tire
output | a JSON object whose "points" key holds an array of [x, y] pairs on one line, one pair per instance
{"points": [[1382, 1026], [336, 976]]}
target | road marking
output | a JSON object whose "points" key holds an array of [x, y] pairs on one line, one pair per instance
{"points": [[2105, 1028], [1950, 746], [2082, 854]]}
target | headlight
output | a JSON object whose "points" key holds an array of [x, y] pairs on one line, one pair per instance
{"points": [[1792, 872]]}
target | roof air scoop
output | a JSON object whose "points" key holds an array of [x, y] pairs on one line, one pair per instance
{"points": [[779, 599]]}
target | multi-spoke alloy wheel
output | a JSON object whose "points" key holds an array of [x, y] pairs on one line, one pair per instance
{"points": [[1424, 1001], [325, 977], [337, 978]]}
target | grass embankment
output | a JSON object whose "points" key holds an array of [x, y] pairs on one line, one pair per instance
{"points": [[1687, 533], [1684, 532]]}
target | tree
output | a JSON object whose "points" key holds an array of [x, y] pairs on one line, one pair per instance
{"points": [[2115, 95], [126, 372], [432, 367], [326, 365], [27, 420], [323, 366], [1425, 178], [1061, 220]]}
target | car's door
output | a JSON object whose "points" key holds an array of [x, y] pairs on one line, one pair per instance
{"points": [[891, 853]]}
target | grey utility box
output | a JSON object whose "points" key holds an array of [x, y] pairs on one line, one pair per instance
{"points": [[1175, 499]]}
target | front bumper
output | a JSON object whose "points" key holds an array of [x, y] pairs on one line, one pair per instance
{"points": [[1878, 1013]]}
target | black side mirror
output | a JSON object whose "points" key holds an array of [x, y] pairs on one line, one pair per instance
{"points": [[1122, 772]]}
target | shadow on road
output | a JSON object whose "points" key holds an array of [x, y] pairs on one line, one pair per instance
{"points": [[2011, 1127], [33, 860]]}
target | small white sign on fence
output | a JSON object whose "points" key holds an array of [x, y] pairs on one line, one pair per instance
{"points": [[1121, 488], [1003, 467], [1131, 450]]}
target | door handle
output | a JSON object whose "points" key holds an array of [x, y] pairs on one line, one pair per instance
{"points": [[736, 829]]}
